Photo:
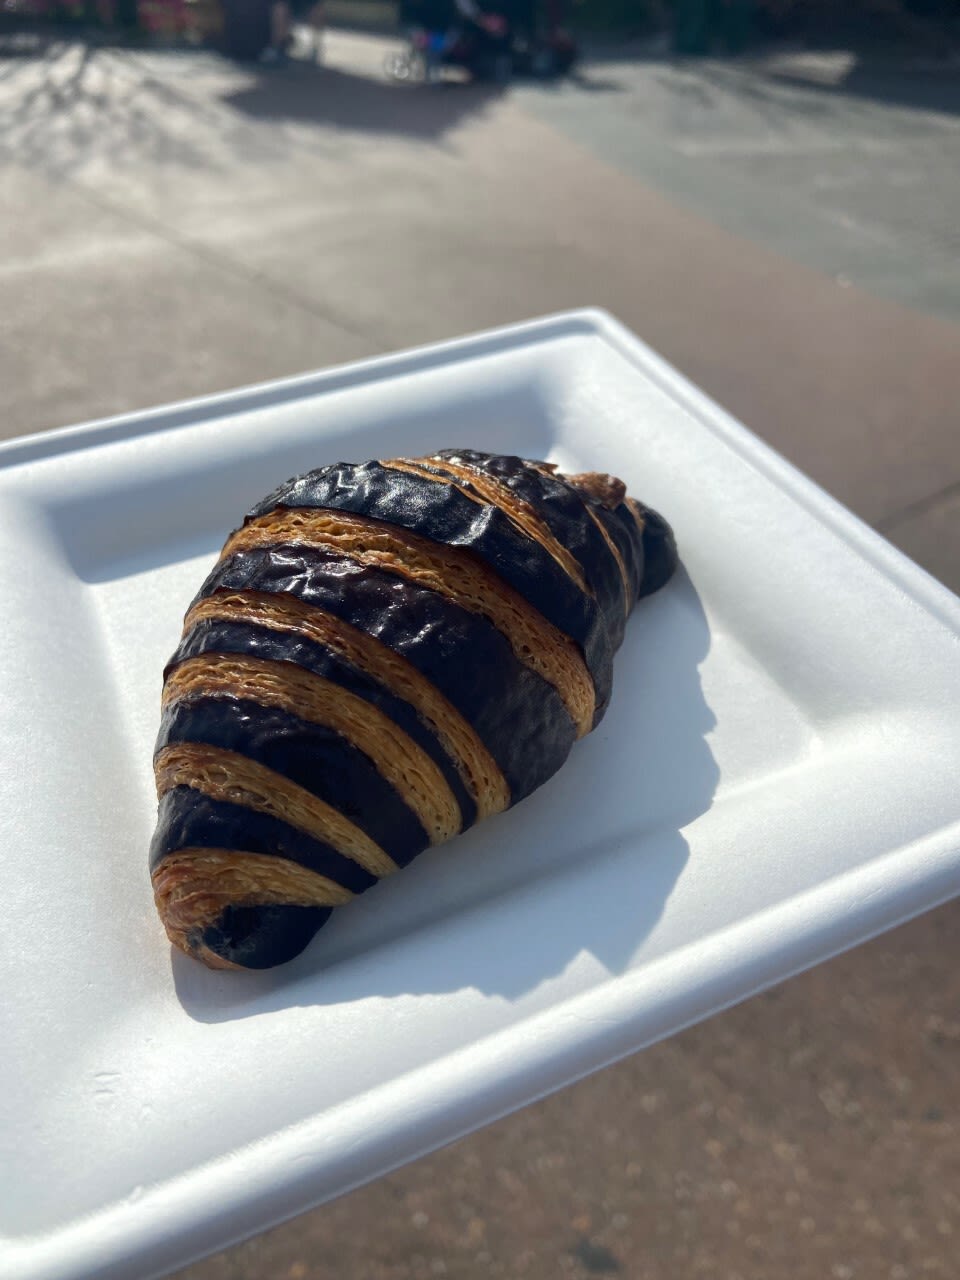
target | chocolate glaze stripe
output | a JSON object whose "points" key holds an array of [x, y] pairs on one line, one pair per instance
{"points": [[659, 548], [628, 595], [213, 636], [561, 507], [225, 775], [605, 498], [443, 517], [627, 531], [487, 489], [623, 533], [633, 506], [194, 887], [517, 715], [189, 819], [448, 571], [477, 770], [260, 937], [408, 769], [315, 757]]}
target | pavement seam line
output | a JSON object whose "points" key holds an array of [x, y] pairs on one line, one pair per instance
{"points": [[224, 263], [919, 508]]}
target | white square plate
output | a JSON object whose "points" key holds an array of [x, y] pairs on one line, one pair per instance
{"points": [[776, 780]]}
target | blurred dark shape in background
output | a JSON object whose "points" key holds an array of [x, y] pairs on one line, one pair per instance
{"points": [[700, 26], [686, 27], [193, 21], [245, 28]]}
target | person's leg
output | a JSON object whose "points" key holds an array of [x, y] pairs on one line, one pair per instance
{"points": [[691, 32], [316, 16], [281, 20], [280, 23], [432, 52]]}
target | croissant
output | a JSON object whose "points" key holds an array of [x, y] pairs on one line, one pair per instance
{"points": [[383, 655]]}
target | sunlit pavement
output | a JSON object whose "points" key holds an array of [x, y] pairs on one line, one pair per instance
{"points": [[785, 232], [841, 164]]}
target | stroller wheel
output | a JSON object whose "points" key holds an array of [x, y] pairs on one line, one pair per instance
{"points": [[400, 66]]}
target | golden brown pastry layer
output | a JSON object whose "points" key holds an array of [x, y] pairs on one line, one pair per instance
{"points": [[455, 574], [476, 766], [486, 488], [192, 888], [617, 557], [225, 775], [401, 761], [637, 512]]}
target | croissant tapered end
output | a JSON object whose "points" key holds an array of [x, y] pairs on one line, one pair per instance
{"points": [[219, 907], [384, 654], [599, 487]]}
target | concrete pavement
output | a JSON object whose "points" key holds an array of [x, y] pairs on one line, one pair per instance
{"points": [[171, 225], [829, 158]]}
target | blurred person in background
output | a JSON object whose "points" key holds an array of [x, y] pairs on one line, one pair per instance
{"points": [[283, 15], [449, 22], [706, 26]]}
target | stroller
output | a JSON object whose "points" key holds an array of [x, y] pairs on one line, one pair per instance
{"points": [[454, 34], [521, 38]]}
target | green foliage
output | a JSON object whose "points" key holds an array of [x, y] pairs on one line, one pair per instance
{"points": [[619, 15]]}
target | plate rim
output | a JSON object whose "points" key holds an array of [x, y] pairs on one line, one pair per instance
{"points": [[926, 590], [195, 1200]]}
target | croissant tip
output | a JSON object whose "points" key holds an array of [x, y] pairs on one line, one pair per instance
{"points": [[256, 937], [659, 550]]}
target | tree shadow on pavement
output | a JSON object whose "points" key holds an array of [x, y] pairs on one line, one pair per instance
{"points": [[462, 915], [329, 96], [888, 78], [923, 87], [70, 106]]}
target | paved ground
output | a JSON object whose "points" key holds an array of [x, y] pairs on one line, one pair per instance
{"points": [[784, 232], [847, 167]]}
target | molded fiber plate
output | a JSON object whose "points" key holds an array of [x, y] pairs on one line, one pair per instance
{"points": [[775, 781]]}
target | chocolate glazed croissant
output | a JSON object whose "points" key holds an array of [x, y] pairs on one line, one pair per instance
{"points": [[383, 655]]}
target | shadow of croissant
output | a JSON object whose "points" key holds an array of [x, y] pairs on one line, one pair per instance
{"points": [[492, 910]]}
